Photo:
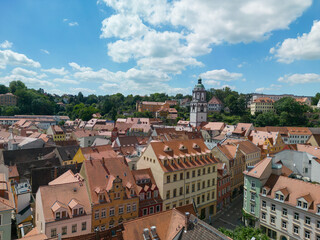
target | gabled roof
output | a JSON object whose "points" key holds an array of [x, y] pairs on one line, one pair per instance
{"points": [[67, 152], [297, 189], [263, 100], [67, 177], [100, 174], [98, 152], [259, 168], [215, 100], [218, 126], [60, 195]]}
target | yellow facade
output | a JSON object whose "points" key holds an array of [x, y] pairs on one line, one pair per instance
{"points": [[113, 214], [78, 158], [184, 186], [261, 107], [275, 147], [59, 137]]}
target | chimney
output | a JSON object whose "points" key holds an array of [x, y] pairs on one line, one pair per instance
{"points": [[154, 234], [146, 235], [187, 219]]}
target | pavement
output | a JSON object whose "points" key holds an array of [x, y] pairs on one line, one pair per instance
{"points": [[230, 216]]}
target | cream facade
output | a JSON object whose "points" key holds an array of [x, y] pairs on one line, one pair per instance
{"points": [[262, 105], [185, 172]]}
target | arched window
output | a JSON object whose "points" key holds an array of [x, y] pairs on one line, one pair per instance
{"points": [[201, 108]]}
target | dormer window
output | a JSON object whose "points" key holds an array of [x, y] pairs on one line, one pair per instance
{"points": [[264, 191], [305, 205], [318, 209], [57, 215], [80, 211], [281, 198], [75, 212], [277, 196], [155, 195], [132, 193], [299, 203], [141, 196], [116, 195], [64, 214]]}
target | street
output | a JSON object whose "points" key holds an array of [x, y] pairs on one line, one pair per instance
{"points": [[230, 216]]}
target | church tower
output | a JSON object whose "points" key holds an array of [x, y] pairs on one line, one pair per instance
{"points": [[199, 105]]}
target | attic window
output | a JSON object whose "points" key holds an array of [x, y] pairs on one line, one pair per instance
{"points": [[167, 149], [57, 215], [264, 191]]}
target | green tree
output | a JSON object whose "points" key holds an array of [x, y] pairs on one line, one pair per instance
{"points": [[315, 99], [3, 89], [267, 119], [16, 85], [244, 233]]}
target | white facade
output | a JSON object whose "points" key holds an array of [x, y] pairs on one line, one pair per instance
{"points": [[199, 105], [290, 222]]}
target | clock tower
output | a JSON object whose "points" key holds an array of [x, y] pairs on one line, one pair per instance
{"points": [[198, 105]]}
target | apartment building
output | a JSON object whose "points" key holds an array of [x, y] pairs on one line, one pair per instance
{"points": [[262, 105], [290, 209], [215, 105], [150, 201], [152, 107], [224, 186], [185, 171], [235, 160], [112, 192], [63, 209], [57, 133], [8, 99]]}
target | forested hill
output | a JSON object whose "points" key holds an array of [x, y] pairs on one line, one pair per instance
{"points": [[288, 112]]}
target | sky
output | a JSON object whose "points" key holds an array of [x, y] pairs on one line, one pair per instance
{"points": [[146, 46]]}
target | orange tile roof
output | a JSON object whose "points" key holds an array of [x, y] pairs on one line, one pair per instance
{"points": [[296, 189], [167, 223], [13, 171], [263, 100], [100, 174], [175, 152], [98, 152], [218, 126], [259, 168], [299, 131], [67, 177], [63, 194], [34, 234], [315, 151], [215, 100]]}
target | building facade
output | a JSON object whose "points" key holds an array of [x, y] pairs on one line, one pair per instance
{"points": [[8, 99], [185, 172], [199, 105], [262, 105], [223, 187]]}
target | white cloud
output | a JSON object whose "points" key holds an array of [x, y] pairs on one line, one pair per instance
{"points": [[83, 90], [300, 78], [23, 72], [221, 75], [272, 87], [65, 81], [33, 81], [6, 44], [8, 57], [73, 24], [305, 47], [65, 19], [57, 71], [76, 66], [45, 51]]}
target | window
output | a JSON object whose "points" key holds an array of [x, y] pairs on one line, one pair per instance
{"points": [[120, 210], [193, 187], [318, 210], [212, 195], [263, 215], [148, 195], [296, 216], [80, 211], [252, 208], [128, 208], [272, 219], [318, 237], [193, 173], [181, 176], [188, 175], [174, 192], [198, 200], [181, 191], [64, 230], [284, 212], [199, 185], [213, 182], [175, 177], [209, 169], [305, 205], [253, 185], [306, 234], [74, 228], [199, 172], [281, 198], [299, 204], [144, 211], [203, 171], [116, 195], [141, 196], [134, 207], [103, 227], [296, 229], [111, 212], [53, 232], [264, 191], [187, 189], [318, 224], [203, 184], [57, 215], [307, 221], [168, 194], [158, 208], [103, 213], [208, 183], [208, 196], [213, 169], [273, 207], [252, 196], [277, 196], [84, 226], [284, 224], [155, 193], [168, 179], [151, 210], [96, 214]]}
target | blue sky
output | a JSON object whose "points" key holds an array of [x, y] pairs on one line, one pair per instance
{"points": [[146, 46]]}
